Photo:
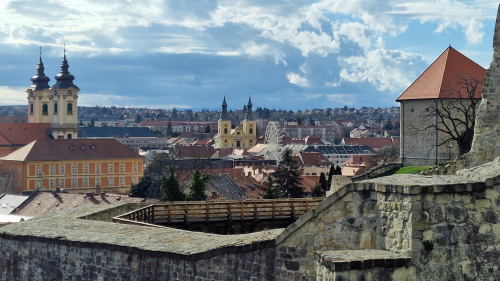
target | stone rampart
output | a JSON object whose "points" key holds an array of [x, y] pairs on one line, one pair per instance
{"points": [[443, 227], [376, 171]]}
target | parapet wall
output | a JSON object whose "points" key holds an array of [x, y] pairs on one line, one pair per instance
{"points": [[443, 227]]}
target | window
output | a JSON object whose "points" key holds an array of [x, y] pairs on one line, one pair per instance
{"points": [[61, 182], [85, 181], [98, 181], [70, 136], [134, 167], [55, 108], [52, 170], [70, 109], [251, 131], [73, 182], [134, 180], [122, 180], [74, 169], [45, 109], [31, 108], [98, 169], [52, 183], [225, 130], [38, 170], [110, 168], [38, 184], [12, 169], [122, 168], [19, 170], [85, 168], [61, 169], [110, 181]]}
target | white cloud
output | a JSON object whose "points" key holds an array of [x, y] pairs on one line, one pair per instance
{"points": [[386, 70], [296, 79], [12, 96]]}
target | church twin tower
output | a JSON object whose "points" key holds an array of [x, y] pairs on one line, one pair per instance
{"points": [[239, 137], [56, 105]]}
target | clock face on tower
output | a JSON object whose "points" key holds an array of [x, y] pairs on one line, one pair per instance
{"points": [[70, 92]]}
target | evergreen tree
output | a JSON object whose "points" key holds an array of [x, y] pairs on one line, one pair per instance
{"points": [[207, 129], [311, 121], [330, 174], [138, 119], [197, 187], [171, 188], [388, 126], [271, 190], [287, 177], [323, 183], [338, 171], [169, 128], [316, 191]]}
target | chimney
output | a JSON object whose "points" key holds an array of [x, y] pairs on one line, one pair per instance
{"points": [[89, 195], [103, 194]]}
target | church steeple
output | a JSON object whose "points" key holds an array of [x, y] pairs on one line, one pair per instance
{"points": [[249, 113], [64, 78], [40, 81], [223, 114]]}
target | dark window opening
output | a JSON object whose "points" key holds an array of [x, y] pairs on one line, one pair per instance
{"points": [[45, 109], [55, 108], [70, 108]]}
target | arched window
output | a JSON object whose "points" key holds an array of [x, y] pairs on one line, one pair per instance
{"points": [[251, 131], [45, 109], [225, 130], [70, 108], [69, 136], [55, 108], [31, 108]]}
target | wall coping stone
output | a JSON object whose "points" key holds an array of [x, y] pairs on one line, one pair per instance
{"points": [[360, 259], [469, 180], [67, 228]]}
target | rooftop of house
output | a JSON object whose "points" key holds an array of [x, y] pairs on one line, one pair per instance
{"points": [[72, 149], [189, 151], [19, 134], [445, 72], [115, 132], [9, 202], [313, 159], [41, 203], [340, 149], [371, 142]]}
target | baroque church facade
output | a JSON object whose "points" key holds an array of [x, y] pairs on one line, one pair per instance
{"points": [[240, 137], [56, 105]]}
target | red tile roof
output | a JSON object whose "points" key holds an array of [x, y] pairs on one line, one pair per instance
{"points": [[444, 72], [314, 159], [194, 151], [72, 149], [23, 133], [159, 123]]}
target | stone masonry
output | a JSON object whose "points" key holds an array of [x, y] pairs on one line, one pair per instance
{"points": [[420, 227], [486, 144]]}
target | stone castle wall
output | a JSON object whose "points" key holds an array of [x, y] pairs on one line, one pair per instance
{"points": [[418, 146], [421, 227]]}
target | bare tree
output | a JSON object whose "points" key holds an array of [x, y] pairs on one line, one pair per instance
{"points": [[455, 114]]}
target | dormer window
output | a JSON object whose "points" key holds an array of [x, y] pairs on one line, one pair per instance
{"points": [[71, 146], [92, 146], [82, 146]]}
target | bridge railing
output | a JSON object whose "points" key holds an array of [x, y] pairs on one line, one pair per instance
{"points": [[173, 213]]}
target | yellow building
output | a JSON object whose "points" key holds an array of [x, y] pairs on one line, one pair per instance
{"points": [[56, 105], [240, 137], [83, 165]]}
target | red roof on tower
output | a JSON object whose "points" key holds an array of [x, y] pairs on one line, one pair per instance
{"points": [[443, 73]]}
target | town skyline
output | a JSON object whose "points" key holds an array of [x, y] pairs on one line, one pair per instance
{"points": [[284, 55]]}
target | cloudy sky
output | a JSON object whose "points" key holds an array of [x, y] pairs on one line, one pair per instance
{"points": [[288, 54]]}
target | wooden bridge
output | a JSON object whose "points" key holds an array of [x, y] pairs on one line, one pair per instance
{"points": [[224, 217]]}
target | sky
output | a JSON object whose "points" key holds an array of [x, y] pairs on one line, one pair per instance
{"points": [[284, 54]]}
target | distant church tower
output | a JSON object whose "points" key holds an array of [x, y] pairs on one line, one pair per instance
{"points": [[56, 105], [239, 138]]}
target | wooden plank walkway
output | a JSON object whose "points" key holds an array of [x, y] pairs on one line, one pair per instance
{"points": [[248, 214]]}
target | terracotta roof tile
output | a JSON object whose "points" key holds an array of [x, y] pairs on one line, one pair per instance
{"points": [[24, 133], [443, 73], [72, 149]]}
